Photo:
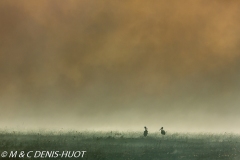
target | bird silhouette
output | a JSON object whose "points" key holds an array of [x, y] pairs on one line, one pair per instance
{"points": [[145, 133], [162, 131]]}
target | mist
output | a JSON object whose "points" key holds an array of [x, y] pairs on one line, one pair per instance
{"points": [[120, 65]]}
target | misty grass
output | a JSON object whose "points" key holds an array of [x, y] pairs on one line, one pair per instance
{"points": [[127, 145]]}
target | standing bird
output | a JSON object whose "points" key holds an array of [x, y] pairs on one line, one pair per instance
{"points": [[145, 132], [162, 131]]}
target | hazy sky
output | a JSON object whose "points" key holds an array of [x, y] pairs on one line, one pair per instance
{"points": [[120, 65]]}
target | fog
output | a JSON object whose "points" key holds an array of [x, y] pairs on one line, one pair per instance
{"points": [[120, 65]]}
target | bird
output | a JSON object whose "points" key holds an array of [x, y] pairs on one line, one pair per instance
{"points": [[162, 131], [145, 132]]}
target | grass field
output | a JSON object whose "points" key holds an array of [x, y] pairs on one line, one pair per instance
{"points": [[124, 146]]}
